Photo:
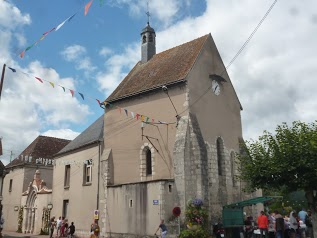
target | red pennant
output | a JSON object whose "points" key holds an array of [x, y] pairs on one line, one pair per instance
{"points": [[98, 101], [39, 79], [72, 92], [22, 54], [87, 7], [137, 116]]}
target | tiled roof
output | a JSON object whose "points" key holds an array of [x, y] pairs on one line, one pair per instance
{"points": [[165, 68], [92, 134], [41, 147]]}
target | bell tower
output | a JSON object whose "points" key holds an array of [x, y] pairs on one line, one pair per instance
{"points": [[148, 45]]}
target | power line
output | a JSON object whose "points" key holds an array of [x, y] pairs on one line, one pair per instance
{"points": [[237, 54]]}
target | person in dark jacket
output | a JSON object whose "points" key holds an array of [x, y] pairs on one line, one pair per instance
{"points": [[279, 225], [72, 229]]}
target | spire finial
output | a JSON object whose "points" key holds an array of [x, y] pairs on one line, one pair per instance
{"points": [[148, 14]]}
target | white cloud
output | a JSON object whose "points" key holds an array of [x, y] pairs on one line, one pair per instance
{"points": [[165, 11], [30, 103], [73, 52], [117, 67], [62, 133], [105, 51], [11, 16], [77, 54], [273, 76]]}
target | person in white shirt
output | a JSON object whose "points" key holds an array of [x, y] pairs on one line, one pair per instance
{"points": [[58, 226], [293, 224]]}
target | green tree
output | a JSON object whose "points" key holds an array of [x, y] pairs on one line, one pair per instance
{"points": [[286, 160]]}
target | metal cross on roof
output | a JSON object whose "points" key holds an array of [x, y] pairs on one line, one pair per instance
{"points": [[148, 14]]}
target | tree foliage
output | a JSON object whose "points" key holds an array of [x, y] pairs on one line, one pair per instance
{"points": [[286, 160]]}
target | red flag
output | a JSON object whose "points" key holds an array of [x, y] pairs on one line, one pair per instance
{"points": [[22, 54], [72, 92], [98, 101], [152, 120], [137, 116], [88, 6], [39, 79]]}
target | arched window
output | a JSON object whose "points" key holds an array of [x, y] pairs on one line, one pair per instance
{"points": [[148, 162], [220, 156], [144, 39], [151, 38], [232, 160]]}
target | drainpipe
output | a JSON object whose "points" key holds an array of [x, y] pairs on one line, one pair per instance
{"points": [[98, 180]]}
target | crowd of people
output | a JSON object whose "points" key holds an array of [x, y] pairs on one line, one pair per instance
{"points": [[63, 229], [274, 225]]}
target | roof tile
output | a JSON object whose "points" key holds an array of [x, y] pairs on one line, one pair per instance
{"points": [[166, 67]]}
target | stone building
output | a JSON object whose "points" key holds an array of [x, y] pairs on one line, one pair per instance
{"points": [[171, 133], [26, 185], [75, 178]]}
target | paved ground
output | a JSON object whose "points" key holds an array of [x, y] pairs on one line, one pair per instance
{"points": [[12, 234]]}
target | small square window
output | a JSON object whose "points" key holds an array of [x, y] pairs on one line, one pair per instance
{"points": [[170, 188]]}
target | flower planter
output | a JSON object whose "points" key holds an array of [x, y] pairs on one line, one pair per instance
{"points": [[193, 227]]}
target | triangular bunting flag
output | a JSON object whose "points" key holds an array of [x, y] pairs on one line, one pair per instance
{"points": [[13, 70], [60, 25], [98, 101], [132, 114], [52, 84], [152, 120], [87, 7], [29, 47], [82, 96], [147, 119], [142, 118], [22, 54], [126, 111], [137, 116], [72, 92], [39, 79], [62, 87], [69, 19]]}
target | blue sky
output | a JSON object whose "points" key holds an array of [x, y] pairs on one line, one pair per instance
{"points": [[92, 54]]}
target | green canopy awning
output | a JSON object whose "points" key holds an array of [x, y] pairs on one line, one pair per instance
{"points": [[250, 202]]}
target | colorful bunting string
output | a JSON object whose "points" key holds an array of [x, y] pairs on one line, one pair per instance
{"points": [[68, 19], [53, 85], [138, 116]]}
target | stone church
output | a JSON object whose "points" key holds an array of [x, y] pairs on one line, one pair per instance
{"points": [[171, 133]]}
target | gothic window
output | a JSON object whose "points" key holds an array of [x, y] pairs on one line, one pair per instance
{"points": [[87, 172], [144, 39], [220, 156], [67, 176], [148, 162], [232, 158], [151, 38]]}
